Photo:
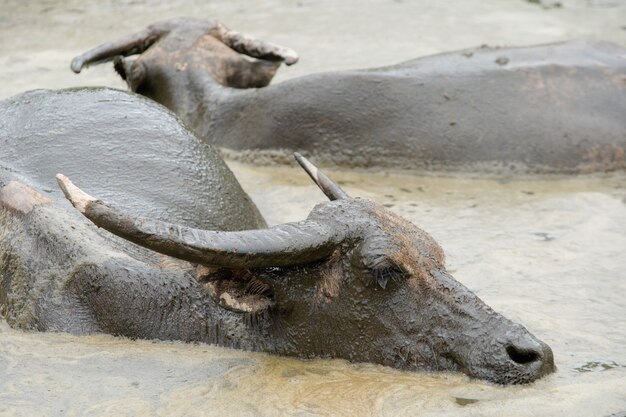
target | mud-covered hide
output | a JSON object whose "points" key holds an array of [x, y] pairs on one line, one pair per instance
{"points": [[556, 108], [58, 271]]}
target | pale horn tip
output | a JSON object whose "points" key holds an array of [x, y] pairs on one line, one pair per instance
{"points": [[75, 195], [328, 187], [306, 165], [290, 56], [77, 64]]}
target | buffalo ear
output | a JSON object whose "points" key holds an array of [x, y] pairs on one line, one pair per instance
{"points": [[132, 70], [255, 74], [237, 290]]}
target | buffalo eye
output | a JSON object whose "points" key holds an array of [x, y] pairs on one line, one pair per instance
{"points": [[381, 275], [371, 258]]}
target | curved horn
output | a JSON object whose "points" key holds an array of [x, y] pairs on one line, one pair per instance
{"points": [[255, 48], [129, 45], [283, 245], [328, 187]]}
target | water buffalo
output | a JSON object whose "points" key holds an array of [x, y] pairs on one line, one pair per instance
{"points": [[555, 108], [112, 140], [352, 281]]}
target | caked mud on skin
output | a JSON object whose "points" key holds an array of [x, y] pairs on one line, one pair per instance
{"points": [[548, 109]]}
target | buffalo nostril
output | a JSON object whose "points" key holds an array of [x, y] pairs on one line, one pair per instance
{"points": [[522, 355]]}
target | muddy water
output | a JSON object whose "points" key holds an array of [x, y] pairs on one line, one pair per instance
{"points": [[547, 253]]}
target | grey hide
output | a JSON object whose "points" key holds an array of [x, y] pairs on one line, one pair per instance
{"points": [[556, 108]]}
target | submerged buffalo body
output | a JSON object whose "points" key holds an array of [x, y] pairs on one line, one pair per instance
{"points": [[352, 281], [53, 263], [555, 108]]}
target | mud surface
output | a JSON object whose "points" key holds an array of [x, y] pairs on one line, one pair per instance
{"points": [[549, 254]]}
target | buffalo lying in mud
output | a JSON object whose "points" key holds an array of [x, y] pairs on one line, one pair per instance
{"points": [[555, 108], [352, 281]]}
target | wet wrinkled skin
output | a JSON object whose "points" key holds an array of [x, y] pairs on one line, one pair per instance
{"points": [[554, 108]]}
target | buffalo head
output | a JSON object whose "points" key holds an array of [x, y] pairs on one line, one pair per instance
{"points": [[353, 281], [205, 50]]}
